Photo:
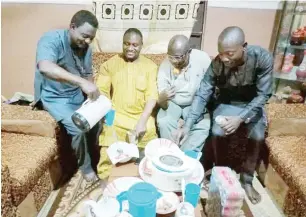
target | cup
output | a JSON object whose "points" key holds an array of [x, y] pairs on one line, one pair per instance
{"points": [[110, 117], [192, 193], [194, 154]]}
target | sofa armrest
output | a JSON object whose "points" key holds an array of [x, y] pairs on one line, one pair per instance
{"points": [[22, 119], [286, 119], [29, 127]]}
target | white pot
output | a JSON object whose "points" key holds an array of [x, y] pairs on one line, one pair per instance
{"points": [[173, 162], [166, 181]]}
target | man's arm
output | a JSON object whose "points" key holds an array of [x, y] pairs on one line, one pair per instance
{"points": [[47, 55], [163, 83], [163, 104], [91, 79], [151, 95], [150, 105], [201, 97], [264, 88], [57, 73]]}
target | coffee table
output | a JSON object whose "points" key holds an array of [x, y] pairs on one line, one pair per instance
{"points": [[78, 191]]}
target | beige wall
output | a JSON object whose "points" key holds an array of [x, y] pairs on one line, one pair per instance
{"points": [[256, 23], [23, 24]]}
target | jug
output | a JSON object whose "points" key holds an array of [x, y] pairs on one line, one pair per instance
{"points": [[88, 115], [142, 198], [106, 207]]}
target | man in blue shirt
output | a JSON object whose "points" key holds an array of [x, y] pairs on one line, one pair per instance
{"points": [[243, 76], [63, 79]]}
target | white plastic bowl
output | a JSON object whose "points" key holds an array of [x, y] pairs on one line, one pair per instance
{"points": [[157, 146], [169, 181]]}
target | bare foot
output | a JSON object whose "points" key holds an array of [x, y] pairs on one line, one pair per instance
{"points": [[252, 194], [90, 176]]}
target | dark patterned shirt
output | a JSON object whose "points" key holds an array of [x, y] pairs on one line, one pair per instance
{"points": [[250, 84]]}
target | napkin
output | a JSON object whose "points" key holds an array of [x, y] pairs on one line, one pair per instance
{"points": [[122, 152]]}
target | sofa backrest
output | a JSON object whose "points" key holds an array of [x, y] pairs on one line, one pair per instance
{"points": [[98, 58]]}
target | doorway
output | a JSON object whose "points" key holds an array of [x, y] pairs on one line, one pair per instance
{"points": [[197, 35]]}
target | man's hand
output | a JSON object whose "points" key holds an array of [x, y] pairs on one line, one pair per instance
{"points": [[180, 123], [232, 124], [167, 94], [90, 89], [140, 128], [32, 104], [181, 135]]}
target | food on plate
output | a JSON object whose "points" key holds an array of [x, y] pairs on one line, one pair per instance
{"points": [[164, 206]]}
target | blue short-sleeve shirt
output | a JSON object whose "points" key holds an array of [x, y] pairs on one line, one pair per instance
{"points": [[59, 98]]}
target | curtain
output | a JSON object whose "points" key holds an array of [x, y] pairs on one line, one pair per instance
{"points": [[157, 20]]}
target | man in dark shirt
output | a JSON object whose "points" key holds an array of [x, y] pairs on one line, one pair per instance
{"points": [[243, 76]]}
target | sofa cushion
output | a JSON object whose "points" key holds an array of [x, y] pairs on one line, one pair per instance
{"points": [[286, 119], [287, 156], [99, 58], [22, 119], [27, 158], [7, 207], [18, 112]]}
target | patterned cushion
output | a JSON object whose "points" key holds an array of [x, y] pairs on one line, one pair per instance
{"points": [[286, 119], [22, 119], [287, 156], [99, 58], [42, 190], [6, 196], [27, 157], [16, 112]]}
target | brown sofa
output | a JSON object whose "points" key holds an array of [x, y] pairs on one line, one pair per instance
{"points": [[7, 207], [285, 176], [35, 154], [99, 58], [30, 159]]}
